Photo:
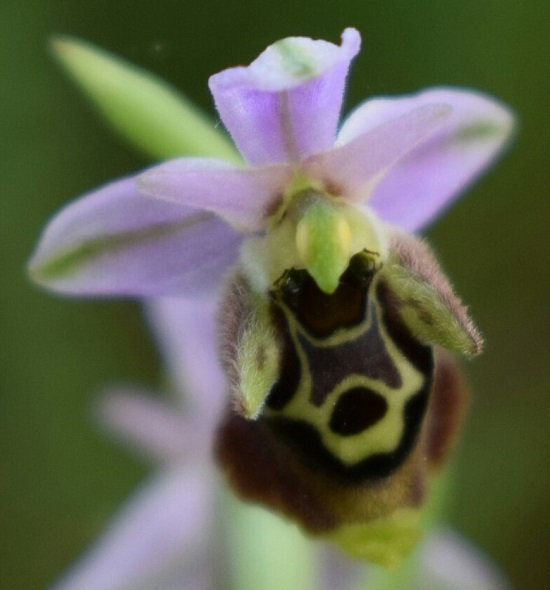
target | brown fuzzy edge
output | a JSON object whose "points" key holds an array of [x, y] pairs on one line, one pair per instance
{"points": [[417, 257]]}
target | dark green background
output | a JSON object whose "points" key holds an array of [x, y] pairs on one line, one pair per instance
{"points": [[60, 480]]}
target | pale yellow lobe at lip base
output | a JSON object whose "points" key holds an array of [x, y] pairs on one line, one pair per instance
{"points": [[386, 541]]}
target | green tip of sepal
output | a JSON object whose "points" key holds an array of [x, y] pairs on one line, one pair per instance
{"points": [[296, 58], [386, 542], [145, 110], [323, 240]]}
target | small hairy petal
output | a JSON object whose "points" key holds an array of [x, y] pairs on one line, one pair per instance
{"points": [[158, 538], [426, 180], [243, 196], [286, 104], [354, 169], [116, 241], [429, 306], [185, 331], [154, 428]]}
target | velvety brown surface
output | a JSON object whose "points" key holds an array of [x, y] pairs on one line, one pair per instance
{"points": [[447, 406]]}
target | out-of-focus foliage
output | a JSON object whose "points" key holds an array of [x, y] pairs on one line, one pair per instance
{"points": [[60, 480]]}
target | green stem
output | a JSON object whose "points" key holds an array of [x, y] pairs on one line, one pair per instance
{"points": [[376, 578], [266, 552]]}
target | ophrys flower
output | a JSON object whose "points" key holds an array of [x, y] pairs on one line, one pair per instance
{"points": [[330, 314]]}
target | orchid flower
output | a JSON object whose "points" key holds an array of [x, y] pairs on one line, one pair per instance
{"points": [[169, 535], [329, 311]]}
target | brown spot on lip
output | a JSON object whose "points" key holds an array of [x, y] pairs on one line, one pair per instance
{"points": [[356, 410]]}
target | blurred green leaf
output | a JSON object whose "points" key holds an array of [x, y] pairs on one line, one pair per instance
{"points": [[142, 108]]}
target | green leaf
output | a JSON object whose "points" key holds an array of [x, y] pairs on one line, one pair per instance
{"points": [[145, 110]]}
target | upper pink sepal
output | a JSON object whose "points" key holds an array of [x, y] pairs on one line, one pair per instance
{"points": [[286, 104]]}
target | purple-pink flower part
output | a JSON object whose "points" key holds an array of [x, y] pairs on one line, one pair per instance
{"points": [[175, 228], [310, 195]]}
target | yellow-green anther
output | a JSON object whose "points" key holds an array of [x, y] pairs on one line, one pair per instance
{"points": [[323, 242]]}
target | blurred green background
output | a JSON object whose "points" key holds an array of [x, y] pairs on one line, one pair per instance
{"points": [[60, 479]]}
